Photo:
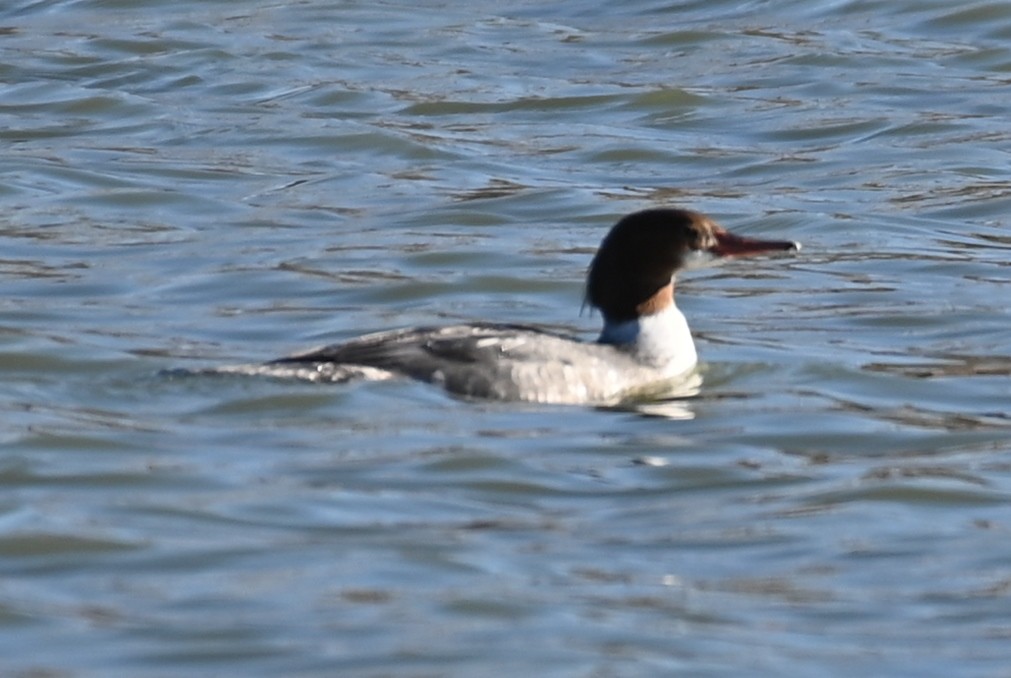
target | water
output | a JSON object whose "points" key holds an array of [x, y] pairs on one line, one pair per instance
{"points": [[189, 183]]}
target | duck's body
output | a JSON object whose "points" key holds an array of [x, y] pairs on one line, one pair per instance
{"points": [[496, 361], [645, 346]]}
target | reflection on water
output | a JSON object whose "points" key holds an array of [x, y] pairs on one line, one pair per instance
{"points": [[948, 366], [200, 183]]}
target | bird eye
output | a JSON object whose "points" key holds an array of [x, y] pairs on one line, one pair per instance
{"points": [[707, 235]]}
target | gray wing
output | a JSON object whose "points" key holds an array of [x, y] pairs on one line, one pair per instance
{"points": [[485, 360]]}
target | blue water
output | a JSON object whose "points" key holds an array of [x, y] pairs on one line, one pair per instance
{"points": [[185, 184]]}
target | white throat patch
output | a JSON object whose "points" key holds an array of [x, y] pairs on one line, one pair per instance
{"points": [[662, 340], [696, 259]]}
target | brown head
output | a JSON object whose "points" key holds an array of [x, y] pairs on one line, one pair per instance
{"points": [[632, 273]]}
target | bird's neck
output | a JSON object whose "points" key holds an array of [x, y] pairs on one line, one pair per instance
{"points": [[660, 338]]}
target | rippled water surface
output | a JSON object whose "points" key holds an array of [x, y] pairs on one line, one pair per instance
{"points": [[189, 183]]}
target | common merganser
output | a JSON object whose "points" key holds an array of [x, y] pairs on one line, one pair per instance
{"points": [[645, 344]]}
